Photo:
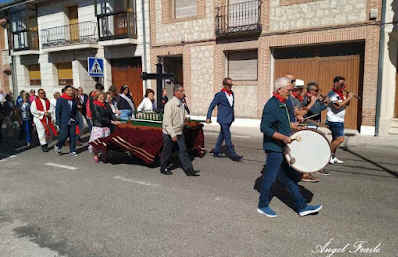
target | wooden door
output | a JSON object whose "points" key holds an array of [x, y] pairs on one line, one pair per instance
{"points": [[128, 72], [323, 70], [73, 23]]}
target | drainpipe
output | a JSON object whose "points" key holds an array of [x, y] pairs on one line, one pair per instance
{"points": [[144, 40], [381, 64]]}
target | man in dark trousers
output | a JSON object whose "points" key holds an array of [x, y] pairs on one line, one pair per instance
{"points": [[225, 102], [173, 128], [81, 105], [277, 128], [66, 113]]}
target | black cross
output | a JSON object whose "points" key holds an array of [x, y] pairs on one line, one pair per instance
{"points": [[159, 76]]}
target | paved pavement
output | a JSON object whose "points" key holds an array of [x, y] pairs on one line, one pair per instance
{"points": [[60, 206]]}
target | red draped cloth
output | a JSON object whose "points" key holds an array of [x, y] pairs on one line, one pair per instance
{"points": [[146, 143]]}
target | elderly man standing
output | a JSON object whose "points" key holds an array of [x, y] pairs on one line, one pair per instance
{"points": [[173, 125], [276, 127], [41, 111]]}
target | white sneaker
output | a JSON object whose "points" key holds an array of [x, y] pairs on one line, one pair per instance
{"points": [[57, 150], [338, 161], [332, 160]]}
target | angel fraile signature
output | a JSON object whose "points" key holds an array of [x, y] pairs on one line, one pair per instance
{"points": [[358, 247]]}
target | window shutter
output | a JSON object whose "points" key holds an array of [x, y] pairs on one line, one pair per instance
{"points": [[34, 75], [185, 8], [243, 65], [65, 75]]}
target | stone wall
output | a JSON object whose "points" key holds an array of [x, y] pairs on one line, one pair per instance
{"points": [[187, 30], [202, 77], [316, 14]]}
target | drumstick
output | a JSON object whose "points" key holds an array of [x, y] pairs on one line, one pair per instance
{"points": [[312, 116]]}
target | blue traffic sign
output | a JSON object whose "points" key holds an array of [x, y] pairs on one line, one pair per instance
{"points": [[95, 67]]}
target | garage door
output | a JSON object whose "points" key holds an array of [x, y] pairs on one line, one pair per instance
{"points": [[323, 70], [128, 72]]}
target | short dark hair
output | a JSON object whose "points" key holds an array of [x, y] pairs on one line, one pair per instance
{"points": [[338, 78], [66, 87], [99, 86], [225, 81], [148, 91]]}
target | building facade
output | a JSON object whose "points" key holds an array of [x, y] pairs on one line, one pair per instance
{"points": [[254, 42], [388, 123], [52, 40]]}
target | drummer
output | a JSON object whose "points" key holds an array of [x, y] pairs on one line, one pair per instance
{"points": [[276, 127]]}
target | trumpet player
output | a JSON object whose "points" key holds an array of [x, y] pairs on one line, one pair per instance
{"points": [[336, 114]]}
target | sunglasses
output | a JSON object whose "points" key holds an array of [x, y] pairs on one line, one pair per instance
{"points": [[315, 90]]}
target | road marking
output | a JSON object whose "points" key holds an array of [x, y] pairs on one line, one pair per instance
{"points": [[8, 158], [242, 136], [134, 181], [60, 166]]}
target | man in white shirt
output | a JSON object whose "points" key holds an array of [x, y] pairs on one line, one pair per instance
{"points": [[224, 100], [336, 114]]}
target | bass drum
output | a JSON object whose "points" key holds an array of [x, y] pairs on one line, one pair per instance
{"points": [[309, 151]]}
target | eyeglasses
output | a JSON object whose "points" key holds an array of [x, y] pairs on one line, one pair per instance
{"points": [[315, 90]]}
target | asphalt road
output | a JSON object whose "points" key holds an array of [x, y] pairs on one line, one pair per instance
{"points": [[54, 205]]}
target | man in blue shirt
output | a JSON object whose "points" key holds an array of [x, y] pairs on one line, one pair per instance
{"points": [[276, 127]]}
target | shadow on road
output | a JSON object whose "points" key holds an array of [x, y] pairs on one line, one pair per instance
{"points": [[364, 158], [280, 192]]}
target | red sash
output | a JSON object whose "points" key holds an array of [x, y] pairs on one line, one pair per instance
{"points": [[47, 124]]}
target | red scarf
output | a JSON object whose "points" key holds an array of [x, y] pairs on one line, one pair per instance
{"points": [[47, 123], [339, 93], [100, 104], [278, 96], [298, 96], [66, 97], [228, 91]]}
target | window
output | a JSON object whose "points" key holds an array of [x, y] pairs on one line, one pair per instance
{"points": [[185, 8], [106, 7], [34, 75], [242, 65], [65, 75]]}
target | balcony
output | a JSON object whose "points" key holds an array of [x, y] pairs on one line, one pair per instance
{"points": [[237, 19], [70, 37], [117, 29], [25, 42]]}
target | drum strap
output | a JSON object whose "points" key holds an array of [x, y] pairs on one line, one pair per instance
{"points": [[287, 114]]}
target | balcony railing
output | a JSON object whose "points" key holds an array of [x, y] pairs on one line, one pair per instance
{"points": [[242, 17], [117, 26], [25, 40], [79, 33]]}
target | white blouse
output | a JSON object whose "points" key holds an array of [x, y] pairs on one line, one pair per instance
{"points": [[146, 105]]}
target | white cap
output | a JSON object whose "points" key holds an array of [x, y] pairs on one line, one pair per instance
{"points": [[299, 83]]}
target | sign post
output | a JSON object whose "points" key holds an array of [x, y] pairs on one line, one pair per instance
{"points": [[96, 67]]}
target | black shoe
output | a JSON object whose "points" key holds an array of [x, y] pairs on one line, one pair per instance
{"points": [[217, 155], [192, 173], [166, 172], [44, 148], [236, 157]]}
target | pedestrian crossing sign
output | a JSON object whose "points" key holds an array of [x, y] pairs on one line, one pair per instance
{"points": [[95, 67]]}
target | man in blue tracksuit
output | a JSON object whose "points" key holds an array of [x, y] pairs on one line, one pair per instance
{"points": [[225, 102], [276, 127]]}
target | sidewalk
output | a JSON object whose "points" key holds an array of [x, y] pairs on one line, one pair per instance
{"points": [[353, 138]]}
